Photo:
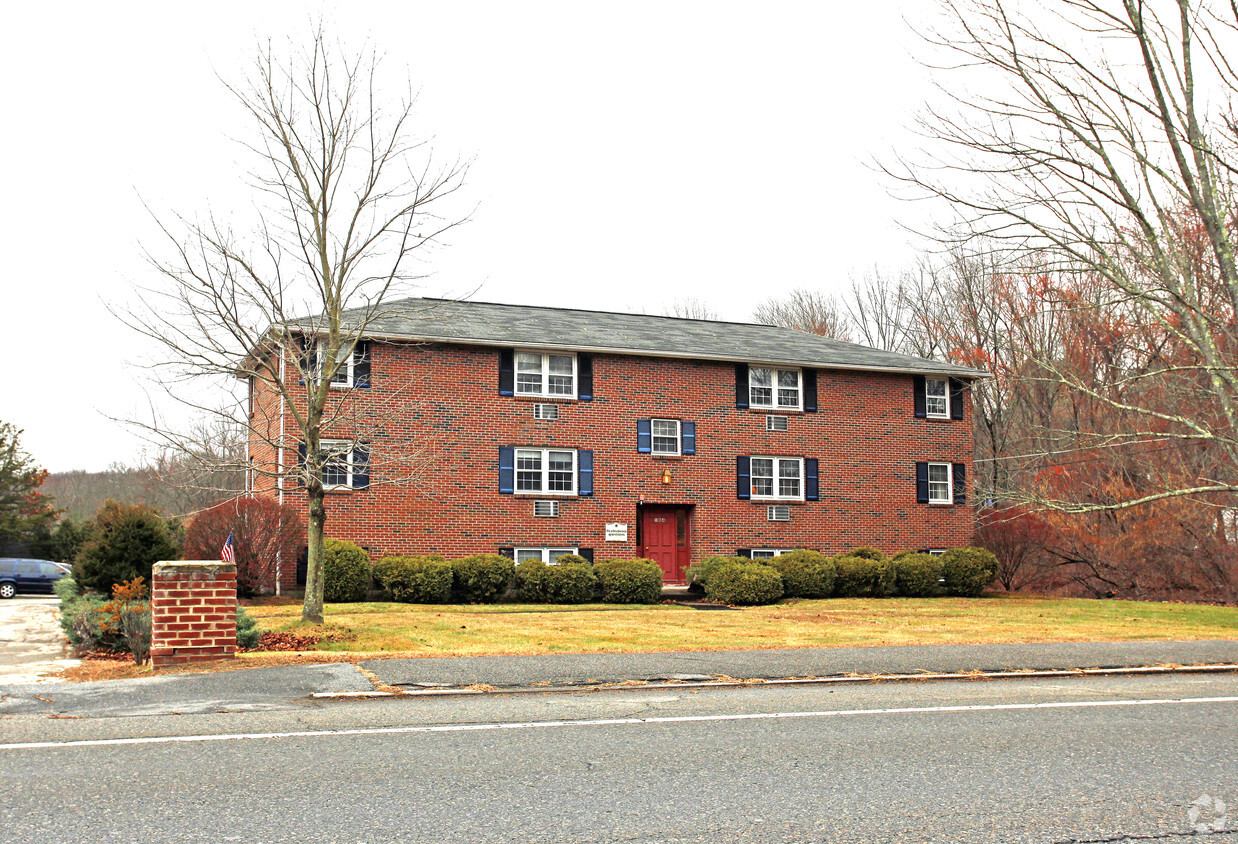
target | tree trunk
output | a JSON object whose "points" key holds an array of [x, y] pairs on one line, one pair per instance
{"points": [[311, 610]]}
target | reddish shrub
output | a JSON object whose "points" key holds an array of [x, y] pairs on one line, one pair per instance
{"points": [[261, 531]]}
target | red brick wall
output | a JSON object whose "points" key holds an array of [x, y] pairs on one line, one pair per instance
{"points": [[193, 612], [436, 408]]}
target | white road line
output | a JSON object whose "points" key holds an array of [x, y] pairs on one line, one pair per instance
{"points": [[614, 722]]}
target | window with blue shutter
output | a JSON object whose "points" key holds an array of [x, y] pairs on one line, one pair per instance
{"points": [[307, 359], [922, 483], [741, 386], [361, 364], [584, 377], [743, 552], [361, 466], [507, 469], [810, 391], [812, 487], [919, 400], [689, 438], [644, 436], [507, 372], [587, 553], [959, 476], [743, 477], [301, 464], [956, 398], [584, 461]]}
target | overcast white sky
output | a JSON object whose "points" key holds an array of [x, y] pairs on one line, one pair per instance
{"points": [[625, 155]]}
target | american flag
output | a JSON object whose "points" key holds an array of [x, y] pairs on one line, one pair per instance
{"points": [[228, 552]]}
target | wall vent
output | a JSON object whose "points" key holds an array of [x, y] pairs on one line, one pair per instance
{"points": [[778, 513], [546, 411], [546, 509], [775, 423]]}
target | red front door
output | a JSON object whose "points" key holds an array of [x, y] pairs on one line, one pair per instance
{"points": [[665, 538]]}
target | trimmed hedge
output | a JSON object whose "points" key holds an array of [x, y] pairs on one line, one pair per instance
{"points": [[418, 580], [868, 552], [968, 571], [917, 575], [346, 572], [699, 574], [481, 578], [805, 574], [744, 583], [567, 582], [384, 566], [863, 577], [637, 581]]}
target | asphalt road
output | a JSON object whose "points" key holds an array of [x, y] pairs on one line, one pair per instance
{"points": [[1007, 761]]}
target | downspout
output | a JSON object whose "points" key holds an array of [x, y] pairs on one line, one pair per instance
{"points": [[279, 468]]}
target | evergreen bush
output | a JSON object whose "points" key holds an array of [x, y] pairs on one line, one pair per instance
{"points": [[247, 632], [917, 575], [126, 540], [481, 578], [805, 574], [863, 577], [744, 583], [563, 583], [968, 571], [346, 574], [637, 581], [418, 580], [699, 574]]}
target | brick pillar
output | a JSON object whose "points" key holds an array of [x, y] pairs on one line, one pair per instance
{"points": [[193, 612]]}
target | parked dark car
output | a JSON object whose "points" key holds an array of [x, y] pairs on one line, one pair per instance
{"points": [[38, 576]]}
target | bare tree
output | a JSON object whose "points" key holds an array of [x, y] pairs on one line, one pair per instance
{"points": [[691, 308], [804, 310], [1097, 141], [346, 202]]}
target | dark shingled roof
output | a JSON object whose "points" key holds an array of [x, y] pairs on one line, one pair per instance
{"points": [[492, 324]]}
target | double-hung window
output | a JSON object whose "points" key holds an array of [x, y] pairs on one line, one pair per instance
{"points": [[337, 464], [774, 388], [936, 398], [546, 375], [778, 478], [768, 553], [665, 436], [940, 484], [547, 471], [546, 555]]}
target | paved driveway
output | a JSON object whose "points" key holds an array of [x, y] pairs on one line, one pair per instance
{"points": [[31, 643]]}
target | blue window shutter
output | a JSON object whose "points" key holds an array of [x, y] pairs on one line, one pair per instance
{"points": [[810, 391], [301, 464], [361, 364], [584, 461], [507, 372], [922, 495], [956, 398], [743, 477], [361, 466], [689, 437], [743, 552], [584, 377], [959, 476], [587, 553], [507, 469], [307, 357], [919, 401], [507, 551], [644, 436], [812, 486], [741, 386]]}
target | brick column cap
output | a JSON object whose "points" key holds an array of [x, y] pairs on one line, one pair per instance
{"points": [[183, 568]]}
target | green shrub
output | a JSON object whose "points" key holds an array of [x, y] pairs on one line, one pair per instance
{"points": [[863, 577], [481, 578], [346, 574], [66, 589], [748, 582], [380, 569], [699, 574], [637, 581], [81, 618], [805, 574], [418, 580], [573, 559], [917, 575], [567, 582], [968, 570], [247, 633], [126, 540], [868, 552]]}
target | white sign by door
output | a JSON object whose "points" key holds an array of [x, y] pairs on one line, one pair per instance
{"points": [[616, 532]]}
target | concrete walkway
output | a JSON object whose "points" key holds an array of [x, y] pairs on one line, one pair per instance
{"points": [[31, 642]]}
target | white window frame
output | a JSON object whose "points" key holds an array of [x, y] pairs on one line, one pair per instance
{"points": [[935, 552], [949, 499], [331, 448], [777, 477], [545, 553], [945, 398], [774, 403], [769, 553], [653, 438], [543, 385], [545, 491], [345, 371]]}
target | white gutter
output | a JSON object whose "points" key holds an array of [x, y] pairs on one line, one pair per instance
{"points": [[279, 466]]}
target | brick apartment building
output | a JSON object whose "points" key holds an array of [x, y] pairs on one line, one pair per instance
{"points": [[468, 427]]}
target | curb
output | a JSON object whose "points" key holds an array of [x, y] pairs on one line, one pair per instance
{"points": [[722, 681]]}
